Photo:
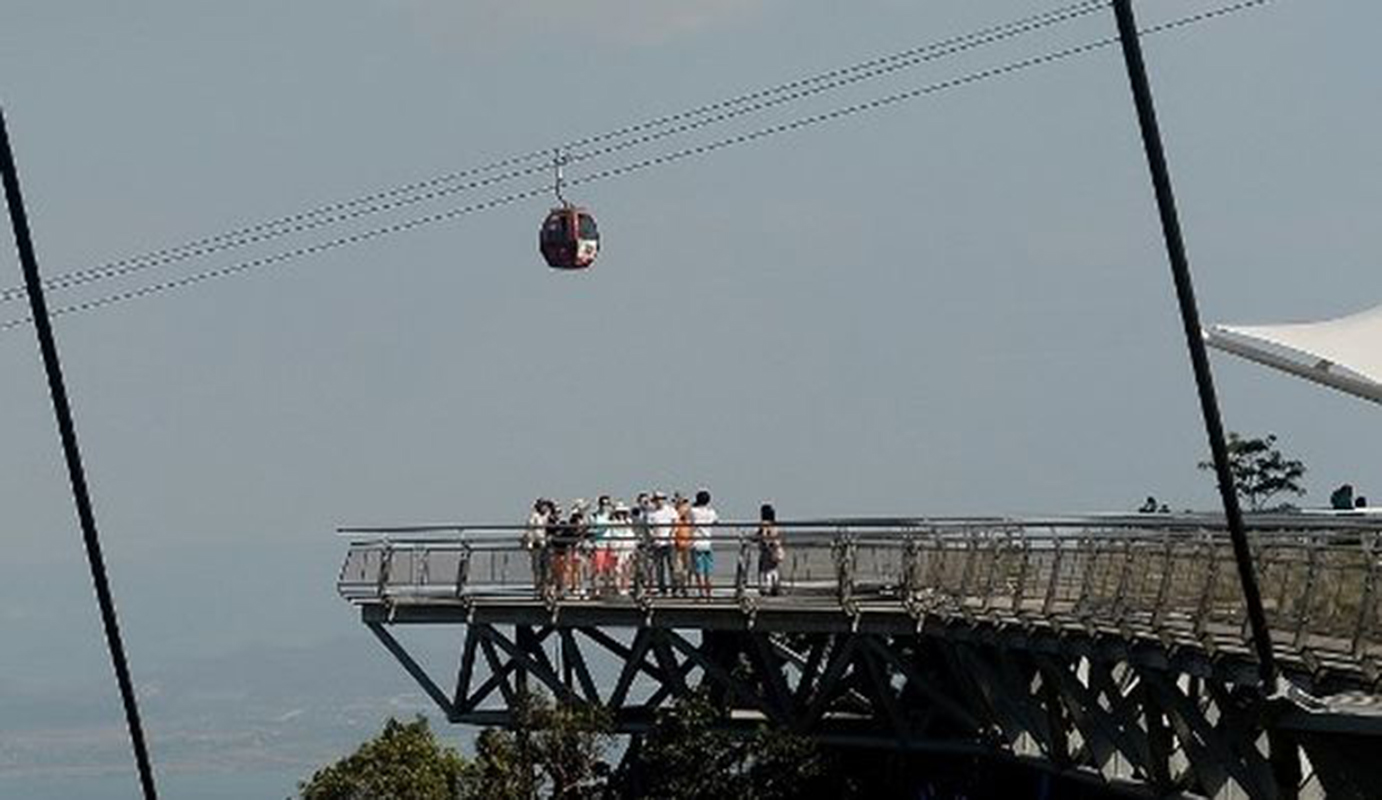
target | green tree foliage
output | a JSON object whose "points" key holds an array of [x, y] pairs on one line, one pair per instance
{"points": [[555, 750], [501, 769], [1260, 472], [404, 762], [685, 757]]}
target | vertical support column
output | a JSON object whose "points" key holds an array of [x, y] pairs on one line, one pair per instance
{"points": [[1194, 337], [76, 473]]}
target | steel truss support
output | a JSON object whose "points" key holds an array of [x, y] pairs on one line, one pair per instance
{"points": [[1117, 717]]}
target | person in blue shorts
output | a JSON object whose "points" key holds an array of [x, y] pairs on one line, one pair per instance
{"points": [[703, 519]]}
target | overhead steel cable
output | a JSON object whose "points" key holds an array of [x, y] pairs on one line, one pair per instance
{"points": [[910, 94], [256, 263], [666, 158], [312, 220], [451, 183], [911, 55], [817, 89], [300, 227]]}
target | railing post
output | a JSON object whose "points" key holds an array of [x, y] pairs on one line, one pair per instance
{"points": [[1020, 591], [843, 546], [1366, 602], [937, 561], [1211, 575], [463, 569], [1307, 595], [1281, 598], [1168, 561], [1053, 587], [995, 559], [1258, 554], [909, 566], [1089, 553], [741, 569], [385, 567], [967, 575], [1120, 596]]}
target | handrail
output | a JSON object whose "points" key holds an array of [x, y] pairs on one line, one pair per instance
{"points": [[1320, 579], [1312, 520]]}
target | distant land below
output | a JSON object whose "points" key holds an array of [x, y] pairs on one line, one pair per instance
{"points": [[250, 724]]}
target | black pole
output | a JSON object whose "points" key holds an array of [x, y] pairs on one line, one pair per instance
{"points": [[46, 344], [1194, 337]]}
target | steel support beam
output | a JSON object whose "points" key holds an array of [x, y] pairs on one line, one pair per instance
{"points": [[1100, 713]]}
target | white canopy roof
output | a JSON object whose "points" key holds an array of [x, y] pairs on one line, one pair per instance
{"points": [[1343, 353]]}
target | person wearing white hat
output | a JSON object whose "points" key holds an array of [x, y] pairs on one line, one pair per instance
{"points": [[661, 518], [623, 542], [601, 556]]}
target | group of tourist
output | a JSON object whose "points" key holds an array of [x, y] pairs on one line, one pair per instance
{"points": [[1343, 499], [659, 543]]}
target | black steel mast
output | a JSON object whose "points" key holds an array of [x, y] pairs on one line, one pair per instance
{"points": [[77, 475], [1194, 337]]}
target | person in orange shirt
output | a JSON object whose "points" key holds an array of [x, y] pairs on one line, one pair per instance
{"points": [[681, 540]]}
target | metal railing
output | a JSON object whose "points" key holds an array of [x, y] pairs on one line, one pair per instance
{"points": [[1165, 573]]}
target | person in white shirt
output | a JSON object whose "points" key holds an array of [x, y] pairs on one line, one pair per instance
{"points": [[601, 556], [623, 542], [661, 518], [535, 542], [770, 551], [703, 518]]}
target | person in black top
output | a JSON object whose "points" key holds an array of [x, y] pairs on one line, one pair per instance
{"points": [[571, 539], [557, 546]]}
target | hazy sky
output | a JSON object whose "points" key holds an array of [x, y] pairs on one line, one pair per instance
{"points": [[959, 304]]}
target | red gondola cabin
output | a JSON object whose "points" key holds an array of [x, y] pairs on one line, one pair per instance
{"points": [[569, 238]]}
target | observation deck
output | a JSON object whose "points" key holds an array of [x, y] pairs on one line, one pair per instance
{"points": [[1114, 648]]}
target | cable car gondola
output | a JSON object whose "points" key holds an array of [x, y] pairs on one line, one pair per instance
{"points": [[569, 238]]}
